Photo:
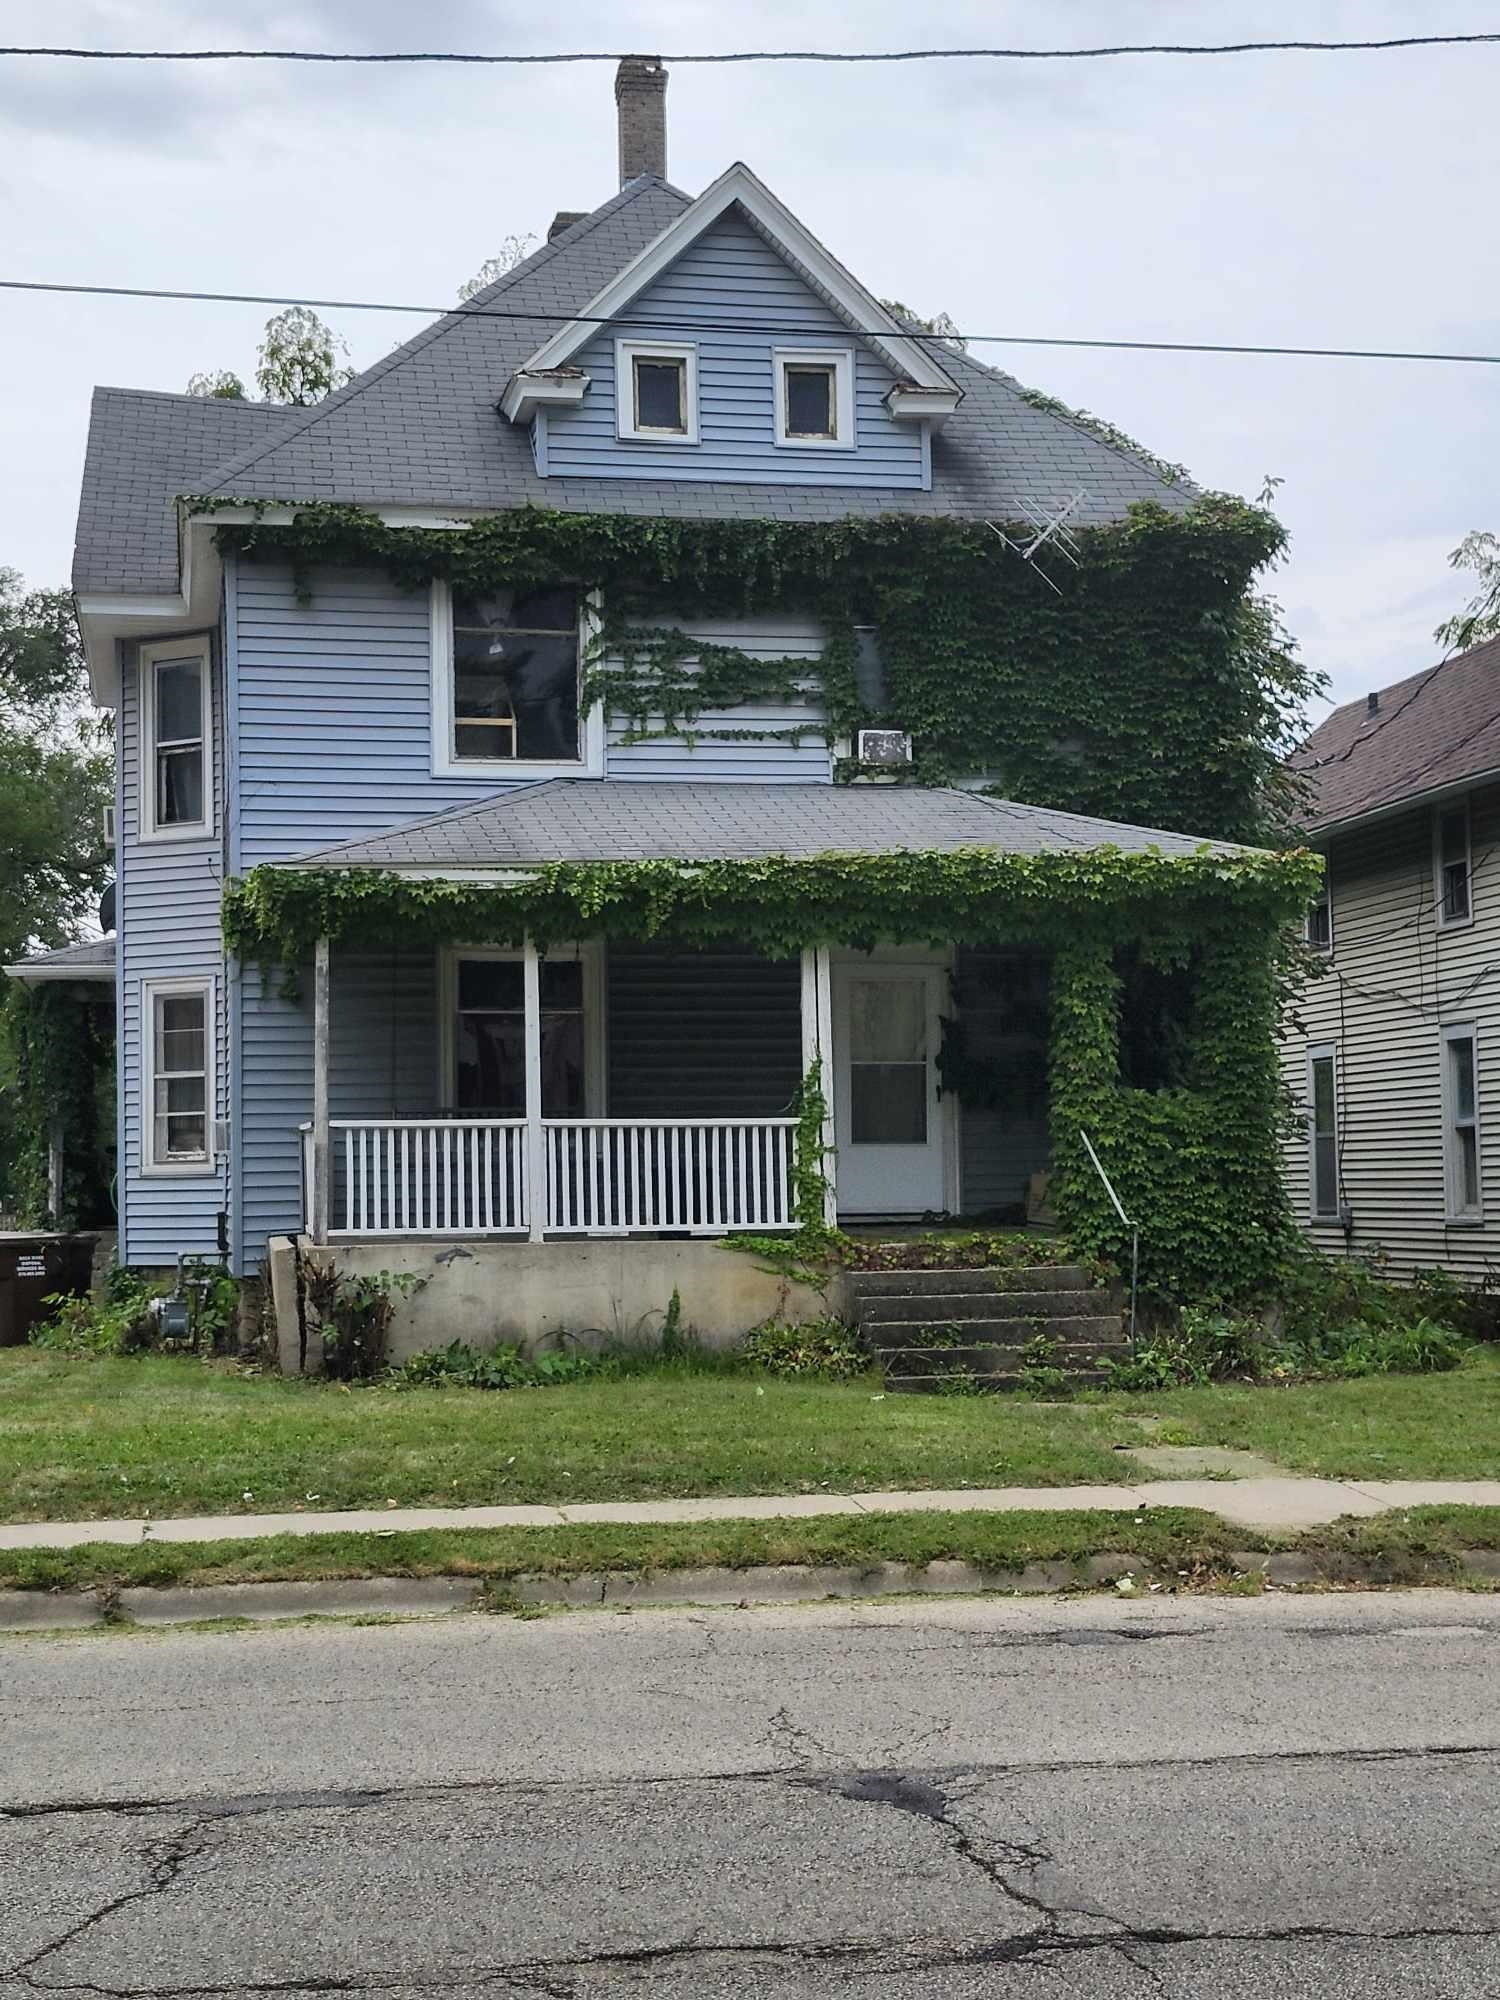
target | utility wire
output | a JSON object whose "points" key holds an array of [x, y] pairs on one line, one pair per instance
{"points": [[550, 317], [765, 55]]}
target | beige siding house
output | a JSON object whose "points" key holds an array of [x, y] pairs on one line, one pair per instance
{"points": [[1394, 1050]]}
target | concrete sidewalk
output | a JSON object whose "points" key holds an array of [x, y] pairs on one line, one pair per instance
{"points": [[1281, 1504]]}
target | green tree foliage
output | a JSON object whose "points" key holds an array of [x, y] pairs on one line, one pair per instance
{"points": [[942, 324], [1478, 552], [299, 361], [222, 384], [513, 250]]}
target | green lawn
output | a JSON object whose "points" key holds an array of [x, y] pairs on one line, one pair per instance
{"points": [[83, 1438]]}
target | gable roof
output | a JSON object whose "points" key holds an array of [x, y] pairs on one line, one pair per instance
{"points": [[1430, 732], [582, 819], [421, 428], [145, 447], [907, 357]]}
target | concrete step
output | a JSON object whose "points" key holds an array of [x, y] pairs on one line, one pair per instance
{"points": [[1103, 1327], [941, 1307], [988, 1358], [1026, 1278]]}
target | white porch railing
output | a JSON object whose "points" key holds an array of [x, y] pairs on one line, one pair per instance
{"points": [[603, 1176]]}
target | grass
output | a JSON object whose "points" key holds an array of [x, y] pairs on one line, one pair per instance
{"points": [[1372, 1427], [1177, 1537], [88, 1438]]}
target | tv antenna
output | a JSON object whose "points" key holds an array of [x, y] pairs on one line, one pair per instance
{"points": [[1049, 530]]}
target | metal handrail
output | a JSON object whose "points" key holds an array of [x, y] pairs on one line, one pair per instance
{"points": [[1135, 1234]]}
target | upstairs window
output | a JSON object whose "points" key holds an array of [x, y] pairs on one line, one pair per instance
{"points": [[1461, 1125], [175, 770], [515, 676], [656, 390], [1453, 865], [814, 397], [1320, 919]]}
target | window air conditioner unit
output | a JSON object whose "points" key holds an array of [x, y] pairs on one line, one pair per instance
{"points": [[107, 825], [885, 747]]}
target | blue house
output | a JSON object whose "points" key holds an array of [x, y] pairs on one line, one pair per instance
{"points": [[321, 690]]}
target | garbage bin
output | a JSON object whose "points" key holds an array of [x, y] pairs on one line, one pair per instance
{"points": [[32, 1267]]}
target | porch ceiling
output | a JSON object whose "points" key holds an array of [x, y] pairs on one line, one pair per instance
{"points": [[588, 819]]}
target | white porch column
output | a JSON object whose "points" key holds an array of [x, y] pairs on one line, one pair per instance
{"points": [[536, 1138], [322, 1150], [817, 1047]]}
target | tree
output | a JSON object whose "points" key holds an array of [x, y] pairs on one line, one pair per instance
{"points": [[1479, 551], [513, 250], [55, 773], [942, 324], [298, 361]]}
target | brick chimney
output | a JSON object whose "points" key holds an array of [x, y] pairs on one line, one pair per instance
{"points": [[641, 103]]}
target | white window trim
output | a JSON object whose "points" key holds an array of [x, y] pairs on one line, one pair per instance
{"points": [[627, 353], [1445, 923], [590, 952], [446, 765], [150, 657], [153, 990], [841, 360], [1455, 1215], [1321, 1217]]}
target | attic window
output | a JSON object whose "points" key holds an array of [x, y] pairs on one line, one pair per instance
{"points": [[656, 391], [814, 397]]}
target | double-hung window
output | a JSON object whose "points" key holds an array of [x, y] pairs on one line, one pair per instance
{"points": [[177, 1074], [1465, 1198], [656, 392], [176, 759], [1323, 1130], [507, 684], [1453, 889], [814, 397]]}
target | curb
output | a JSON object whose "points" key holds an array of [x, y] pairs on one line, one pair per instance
{"points": [[799, 1583]]}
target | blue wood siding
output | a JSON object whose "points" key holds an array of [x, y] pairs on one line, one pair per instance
{"points": [[729, 277], [708, 754], [168, 928]]}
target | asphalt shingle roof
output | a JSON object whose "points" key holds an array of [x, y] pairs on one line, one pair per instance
{"points": [[421, 428], [586, 819], [1432, 730], [93, 959], [145, 447]]}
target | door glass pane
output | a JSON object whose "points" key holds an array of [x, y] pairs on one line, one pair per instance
{"points": [[888, 1104], [809, 402], [1461, 1056], [179, 702], [658, 395], [888, 1020]]}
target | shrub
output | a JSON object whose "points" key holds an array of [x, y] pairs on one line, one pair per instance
{"points": [[120, 1321], [354, 1316], [826, 1347], [460, 1366], [1198, 1347]]}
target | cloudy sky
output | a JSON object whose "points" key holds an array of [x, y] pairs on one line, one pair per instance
{"points": [[1339, 200]]}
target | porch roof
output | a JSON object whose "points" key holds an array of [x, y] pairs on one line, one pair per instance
{"points": [[591, 819]]}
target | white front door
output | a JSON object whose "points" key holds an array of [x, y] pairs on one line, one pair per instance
{"points": [[888, 1118]]}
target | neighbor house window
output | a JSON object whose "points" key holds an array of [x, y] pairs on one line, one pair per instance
{"points": [[656, 392], [177, 1024], [515, 674], [1323, 1130], [814, 397], [489, 1036], [1453, 867], [1461, 1124], [1320, 919], [176, 779]]}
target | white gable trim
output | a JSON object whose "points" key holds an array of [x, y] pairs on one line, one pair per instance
{"points": [[908, 358]]}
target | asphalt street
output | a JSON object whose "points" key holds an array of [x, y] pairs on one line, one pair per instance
{"points": [[1100, 1799]]}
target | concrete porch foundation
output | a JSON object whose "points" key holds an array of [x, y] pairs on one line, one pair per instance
{"points": [[487, 1292]]}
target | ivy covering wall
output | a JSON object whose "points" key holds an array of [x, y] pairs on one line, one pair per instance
{"points": [[57, 1057], [1153, 687]]}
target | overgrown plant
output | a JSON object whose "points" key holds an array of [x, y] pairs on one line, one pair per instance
{"points": [[829, 1348], [354, 1315]]}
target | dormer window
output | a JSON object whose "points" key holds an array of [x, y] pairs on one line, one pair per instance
{"points": [[814, 390], [656, 392]]}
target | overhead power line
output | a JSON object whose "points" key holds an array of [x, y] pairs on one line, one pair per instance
{"points": [[763, 55], [779, 327]]}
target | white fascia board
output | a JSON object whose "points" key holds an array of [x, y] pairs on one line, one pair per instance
{"points": [[527, 391], [42, 975], [907, 403], [907, 357]]}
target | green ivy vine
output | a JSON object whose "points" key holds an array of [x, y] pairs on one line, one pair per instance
{"points": [[1154, 687], [59, 1056]]}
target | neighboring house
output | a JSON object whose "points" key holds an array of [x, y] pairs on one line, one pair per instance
{"points": [[1394, 1050], [315, 716]]}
